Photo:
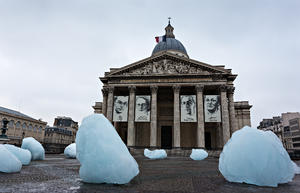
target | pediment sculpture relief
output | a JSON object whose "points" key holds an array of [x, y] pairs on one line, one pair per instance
{"points": [[166, 67]]}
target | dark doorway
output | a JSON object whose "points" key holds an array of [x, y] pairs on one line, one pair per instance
{"points": [[207, 140], [166, 137], [123, 134]]}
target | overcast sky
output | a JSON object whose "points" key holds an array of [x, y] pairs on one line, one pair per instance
{"points": [[52, 52]]}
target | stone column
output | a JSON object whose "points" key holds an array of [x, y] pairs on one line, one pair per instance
{"points": [[104, 103], [219, 136], [233, 120], [131, 128], [200, 119], [225, 114], [153, 126], [110, 100], [176, 133]]}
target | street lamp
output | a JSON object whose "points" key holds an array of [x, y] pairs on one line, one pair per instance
{"points": [[4, 128]]}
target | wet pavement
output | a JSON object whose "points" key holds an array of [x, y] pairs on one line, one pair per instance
{"points": [[174, 174]]}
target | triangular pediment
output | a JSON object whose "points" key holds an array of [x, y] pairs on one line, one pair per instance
{"points": [[167, 64]]}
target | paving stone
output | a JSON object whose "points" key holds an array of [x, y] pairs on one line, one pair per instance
{"points": [[174, 174]]}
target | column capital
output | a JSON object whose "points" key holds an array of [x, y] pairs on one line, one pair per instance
{"points": [[111, 89], [153, 88], [132, 89], [199, 87], [104, 91], [176, 88], [230, 89], [223, 88]]}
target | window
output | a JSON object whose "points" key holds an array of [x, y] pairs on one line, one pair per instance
{"points": [[24, 126], [11, 124], [18, 125], [30, 127]]}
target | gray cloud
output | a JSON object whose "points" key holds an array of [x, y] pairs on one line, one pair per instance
{"points": [[52, 52]]}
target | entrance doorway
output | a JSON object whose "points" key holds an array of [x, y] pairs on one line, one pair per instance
{"points": [[123, 134], [166, 137], [207, 140]]}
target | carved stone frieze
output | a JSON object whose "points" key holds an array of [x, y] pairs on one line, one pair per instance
{"points": [[166, 67], [217, 76]]}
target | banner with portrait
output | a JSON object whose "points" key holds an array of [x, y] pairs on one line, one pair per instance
{"points": [[188, 108], [120, 113], [142, 108], [212, 108]]}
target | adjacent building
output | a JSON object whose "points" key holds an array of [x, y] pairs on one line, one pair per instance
{"points": [[169, 100], [21, 126], [286, 127], [68, 124], [60, 135]]}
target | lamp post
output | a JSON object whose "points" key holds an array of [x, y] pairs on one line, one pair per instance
{"points": [[4, 128], [3, 136]]}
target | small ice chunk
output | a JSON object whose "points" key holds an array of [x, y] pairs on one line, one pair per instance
{"points": [[36, 149], [155, 154], [70, 151], [9, 163], [256, 157], [296, 168], [22, 154], [198, 154], [103, 156]]}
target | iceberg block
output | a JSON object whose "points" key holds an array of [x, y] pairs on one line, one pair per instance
{"points": [[296, 168], [103, 156], [70, 151], [198, 154], [22, 154], [9, 163], [36, 149], [155, 154], [256, 157]]}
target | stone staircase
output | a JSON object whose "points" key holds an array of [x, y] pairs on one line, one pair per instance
{"points": [[177, 152]]}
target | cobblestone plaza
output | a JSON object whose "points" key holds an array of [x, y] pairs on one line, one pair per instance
{"points": [[174, 174]]}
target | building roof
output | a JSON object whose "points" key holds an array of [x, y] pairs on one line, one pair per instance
{"points": [[17, 113], [169, 43], [58, 130]]}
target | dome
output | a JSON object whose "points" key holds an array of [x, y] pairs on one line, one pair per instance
{"points": [[170, 44]]}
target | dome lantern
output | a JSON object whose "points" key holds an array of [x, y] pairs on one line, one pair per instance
{"points": [[170, 44]]}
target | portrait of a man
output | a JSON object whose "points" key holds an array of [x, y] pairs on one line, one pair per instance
{"points": [[142, 108], [120, 108], [188, 108], [212, 108]]}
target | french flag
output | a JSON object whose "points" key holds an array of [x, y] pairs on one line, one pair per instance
{"points": [[160, 39]]}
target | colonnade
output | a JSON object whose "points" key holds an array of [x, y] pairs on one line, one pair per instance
{"points": [[228, 124]]}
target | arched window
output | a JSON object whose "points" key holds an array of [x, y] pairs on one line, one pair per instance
{"points": [[18, 125], [11, 124], [40, 129], [24, 126], [35, 128], [30, 127]]}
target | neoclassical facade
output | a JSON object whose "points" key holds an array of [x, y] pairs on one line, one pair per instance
{"points": [[21, 126], [171, 101]]}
